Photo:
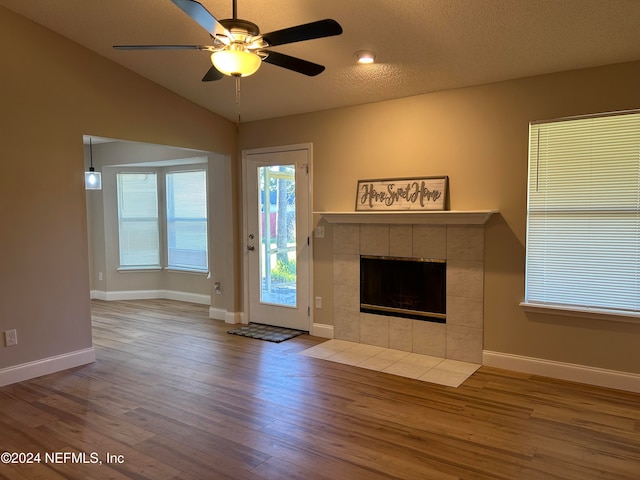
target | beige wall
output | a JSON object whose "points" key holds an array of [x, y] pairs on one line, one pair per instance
{"points": [[54, 91], [478, 137]]}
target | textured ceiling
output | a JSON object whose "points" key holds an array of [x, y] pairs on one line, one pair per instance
{"points": [[421, 45]]}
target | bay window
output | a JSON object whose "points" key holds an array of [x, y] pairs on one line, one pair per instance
{"points": [[162, 219]]}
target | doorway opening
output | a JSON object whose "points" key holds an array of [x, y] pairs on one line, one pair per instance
{"points": [[177, 245]]}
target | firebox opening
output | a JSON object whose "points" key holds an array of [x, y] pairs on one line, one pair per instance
{"points": [[403, 287]]}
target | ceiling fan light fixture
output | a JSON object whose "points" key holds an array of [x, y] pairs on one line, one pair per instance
{"points": [[238, 46], [365, 57], [236, 62]]}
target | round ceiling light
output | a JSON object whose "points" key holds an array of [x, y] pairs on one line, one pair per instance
{"points": [[365, 56]]}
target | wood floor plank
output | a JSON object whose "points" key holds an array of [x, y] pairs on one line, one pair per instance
{"points": [[180, 399], [286, 449]]}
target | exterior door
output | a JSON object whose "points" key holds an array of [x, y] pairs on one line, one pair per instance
{"points": [[277, 243]]}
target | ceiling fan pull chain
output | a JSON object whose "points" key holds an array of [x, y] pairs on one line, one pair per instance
{"points": [[238, 97]]}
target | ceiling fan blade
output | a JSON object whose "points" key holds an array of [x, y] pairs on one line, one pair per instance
{"points": [[164, 47], [212, 75], [308, 31], [292, 63], [202, 17]]}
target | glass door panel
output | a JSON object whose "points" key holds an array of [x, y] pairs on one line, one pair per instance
{"points": [[277, 232]]}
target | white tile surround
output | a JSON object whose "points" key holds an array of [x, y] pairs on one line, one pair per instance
{"points": [[461, 245]]}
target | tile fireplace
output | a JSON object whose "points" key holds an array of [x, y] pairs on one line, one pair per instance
{"points": [[459, 247]]}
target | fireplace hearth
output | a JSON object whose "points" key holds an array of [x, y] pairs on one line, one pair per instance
{"points": [[403, 287]]}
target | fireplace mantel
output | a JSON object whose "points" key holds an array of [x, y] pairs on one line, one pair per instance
{"points": [[440, 217]]}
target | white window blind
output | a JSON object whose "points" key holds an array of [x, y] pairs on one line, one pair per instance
{"points": [[138, 219], [187, 220], [583, 231]]}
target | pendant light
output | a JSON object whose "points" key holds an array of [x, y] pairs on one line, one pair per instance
{"points": [[92, 179]]}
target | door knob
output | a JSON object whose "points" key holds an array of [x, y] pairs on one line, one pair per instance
{"points": [[251, 248]]}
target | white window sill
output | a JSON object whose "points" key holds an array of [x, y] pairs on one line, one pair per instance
{"points": [[591, 313], [186, 270], [160, 269], [139, 269]]}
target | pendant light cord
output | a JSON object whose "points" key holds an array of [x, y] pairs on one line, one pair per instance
{"points": [[91, 155]]}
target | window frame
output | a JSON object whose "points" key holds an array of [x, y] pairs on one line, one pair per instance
{"points": [[574, 310], [175, 170], [158, 219], [162, 202]]}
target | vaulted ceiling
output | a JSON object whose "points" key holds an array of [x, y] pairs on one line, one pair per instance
{"points": [[421, 45]]}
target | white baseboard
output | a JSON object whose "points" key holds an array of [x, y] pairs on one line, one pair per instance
{"points": [[322, 330], [217, 313], [98, 295], [188, 297], [150, 295], [233, 317], [564, 371], [37, 368]]}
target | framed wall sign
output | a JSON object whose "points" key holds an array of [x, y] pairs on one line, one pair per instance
{"points": [[417, 193]]}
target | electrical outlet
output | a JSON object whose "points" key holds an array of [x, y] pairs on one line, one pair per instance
{"points": [[10, 338], [100, 276], [218, 288], [318, 302]]}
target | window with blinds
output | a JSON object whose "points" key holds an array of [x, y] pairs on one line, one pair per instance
{"points": [[187, 220], [162, 219], [138, 227], [583, 219]]}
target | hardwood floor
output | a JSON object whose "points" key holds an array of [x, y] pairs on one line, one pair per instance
{"points": [[173, 396]]}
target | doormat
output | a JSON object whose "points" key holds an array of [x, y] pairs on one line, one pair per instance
{"points": [[266, 332]]}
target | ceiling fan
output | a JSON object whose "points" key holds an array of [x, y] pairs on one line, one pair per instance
{"points": [[238, 49]]}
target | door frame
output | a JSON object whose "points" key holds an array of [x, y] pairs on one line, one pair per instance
{"points": [[308, 147]]}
